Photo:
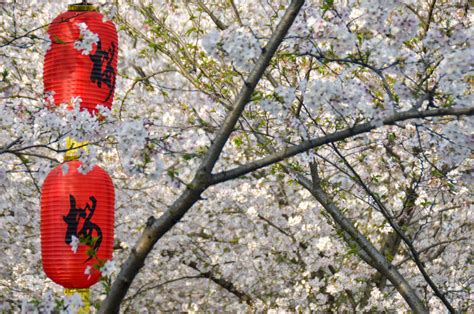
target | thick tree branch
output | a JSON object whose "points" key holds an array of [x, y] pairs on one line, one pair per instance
{"points": [[334, 137], [249, 85], [346, 236], [157, 228], [379, 261], [391, 242], [416, 256]]}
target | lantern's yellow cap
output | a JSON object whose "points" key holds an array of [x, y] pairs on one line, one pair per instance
{"points": [[73, 148], [83, 6], [85, 297]]}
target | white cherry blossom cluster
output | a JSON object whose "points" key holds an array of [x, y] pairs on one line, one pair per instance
{"points": [[131, 138], [236, 44], [108, 269], [342, 64], [86, 39]]}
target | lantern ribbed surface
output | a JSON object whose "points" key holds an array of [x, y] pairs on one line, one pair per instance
{"points": [[80, 206], [68, 72]]}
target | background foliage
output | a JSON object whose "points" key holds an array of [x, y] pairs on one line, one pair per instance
{"points": [[262, 240]]}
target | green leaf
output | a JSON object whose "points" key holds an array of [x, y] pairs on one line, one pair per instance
{"points": [[238, 141], [90, 252], [191, 30], [391, 137], [256, 96], [188, 156], [327, 5]]}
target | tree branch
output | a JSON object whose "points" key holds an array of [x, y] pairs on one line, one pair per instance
{"points": [[401, 234], [145, 288], [391, 242], [379, 261], [201, 181], [220, 25], [334, 137], [429, 18], [443, 244], [236, 12], [249, 85], [223, 283], [362, 63]]}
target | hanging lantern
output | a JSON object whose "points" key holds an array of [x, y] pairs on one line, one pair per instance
{"points": [[82, 59], [77, 224]]}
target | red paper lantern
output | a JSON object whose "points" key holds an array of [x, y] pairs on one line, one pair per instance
{"points": [[76, 207], [82, 58]]}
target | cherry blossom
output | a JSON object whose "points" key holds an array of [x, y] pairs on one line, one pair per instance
{"points": [[362, 112], [86, 39]]}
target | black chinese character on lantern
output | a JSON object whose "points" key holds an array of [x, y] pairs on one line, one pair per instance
{"points": [[74, 217], [101, 74]]}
